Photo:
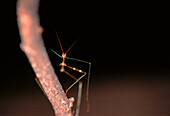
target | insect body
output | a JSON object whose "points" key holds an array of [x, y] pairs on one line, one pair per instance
{"points": [[63, 65]]}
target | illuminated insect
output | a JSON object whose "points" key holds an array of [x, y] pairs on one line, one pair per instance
{"points": [[63, 65]]}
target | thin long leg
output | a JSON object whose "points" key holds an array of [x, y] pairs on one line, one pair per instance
{"points": [[87, 90], [55, 53], [75, 82], [88, 81], [78, 70], [39, 84], [79, 99], [77, 60], [79, 91]]}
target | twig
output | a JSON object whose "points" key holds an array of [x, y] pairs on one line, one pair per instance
{"points": [[33, 46]]}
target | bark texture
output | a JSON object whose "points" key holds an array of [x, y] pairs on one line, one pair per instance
{"points": [[33, 46]]}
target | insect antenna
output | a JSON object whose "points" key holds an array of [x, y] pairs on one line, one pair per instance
{"points": [[71, 46], [59, 43]]}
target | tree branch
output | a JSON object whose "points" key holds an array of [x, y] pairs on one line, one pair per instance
{"points": [[33, 46]]}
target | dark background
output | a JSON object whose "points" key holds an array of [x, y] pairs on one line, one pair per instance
{"points": [[127, 44]]}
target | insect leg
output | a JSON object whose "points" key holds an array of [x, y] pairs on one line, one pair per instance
{"points": [[88, 80], [79, 90]]}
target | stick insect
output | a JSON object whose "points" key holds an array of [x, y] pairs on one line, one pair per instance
{"points": [[63, 65]]}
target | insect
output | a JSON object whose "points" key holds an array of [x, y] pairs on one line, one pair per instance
{"points": [[77, 80]]}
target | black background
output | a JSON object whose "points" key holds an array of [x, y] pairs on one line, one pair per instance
{"points": [[125, 39]]}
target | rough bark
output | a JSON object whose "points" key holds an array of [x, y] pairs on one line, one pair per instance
{"points": [[33, 46]]}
